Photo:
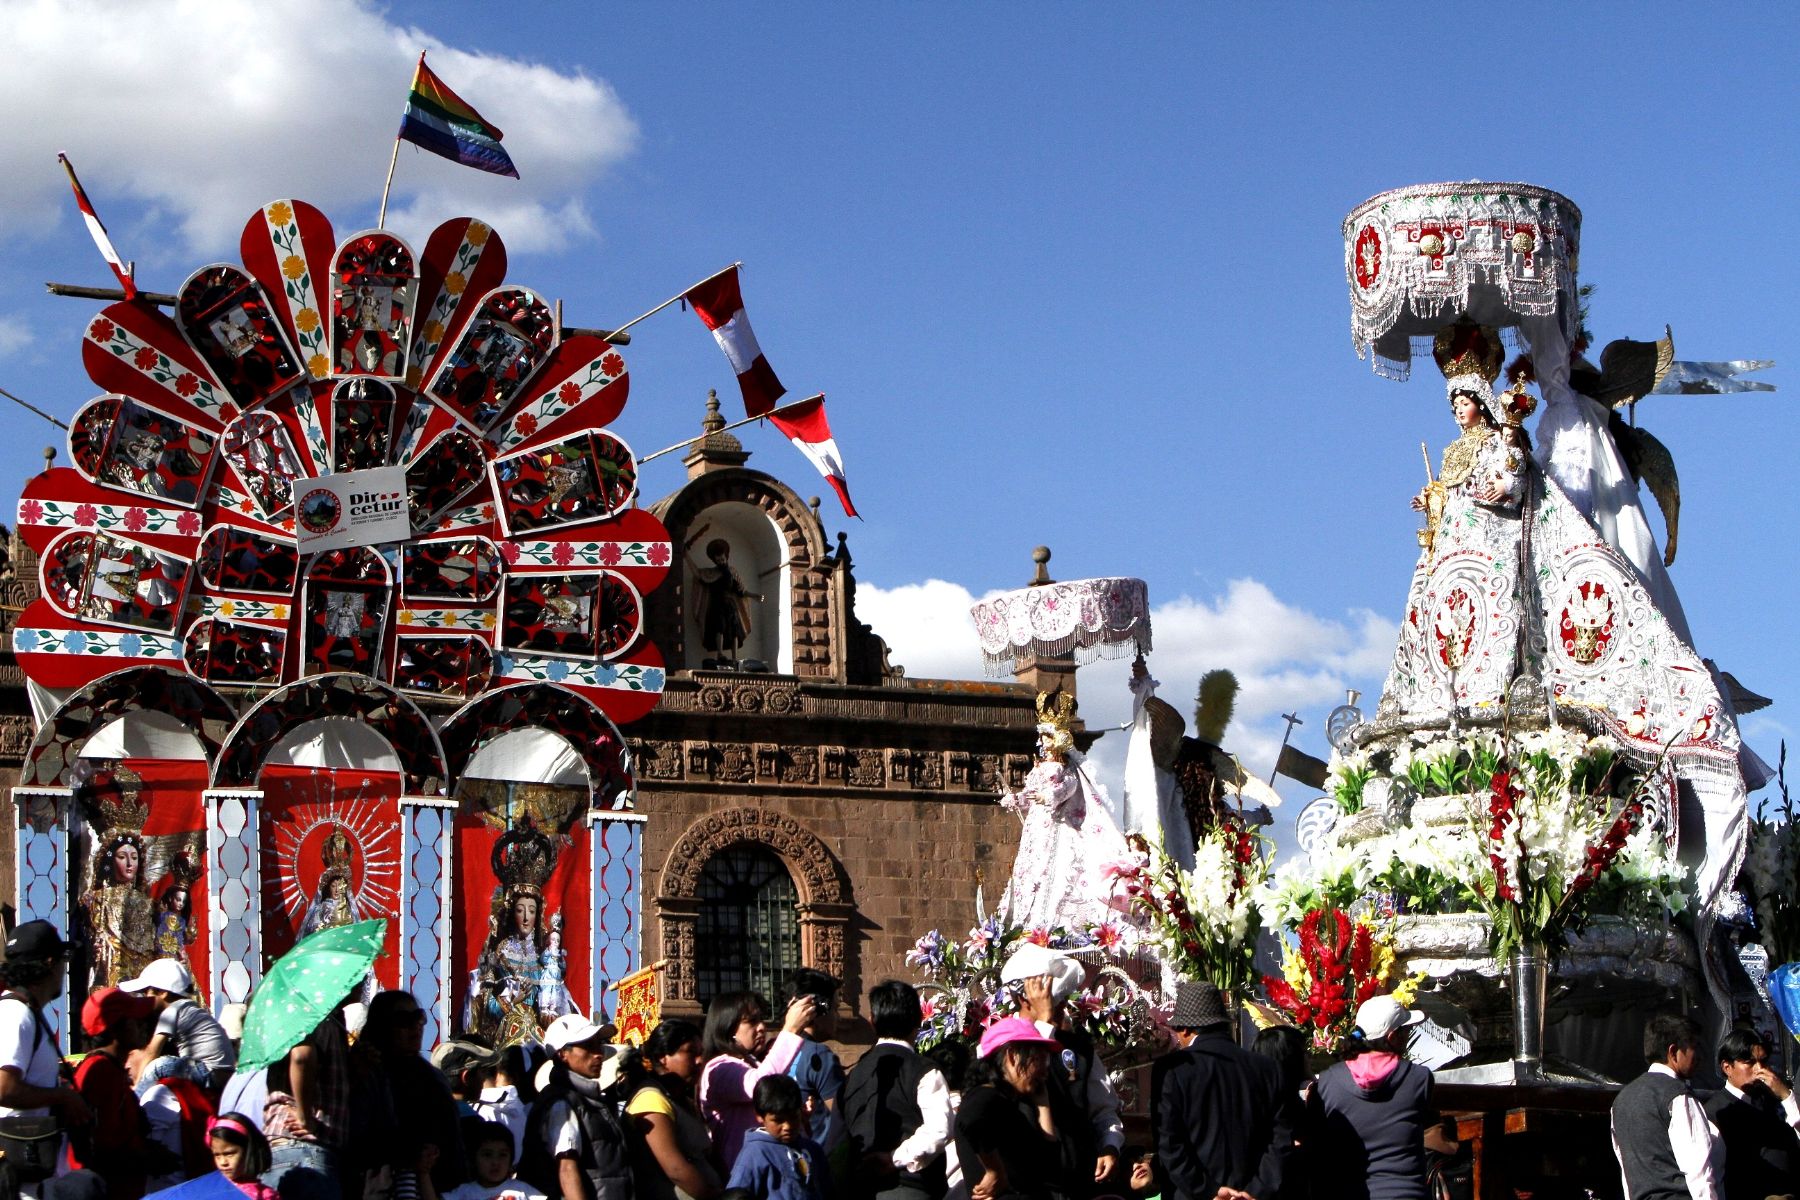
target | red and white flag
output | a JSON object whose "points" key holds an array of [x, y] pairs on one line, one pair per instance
{"points": [[806, 426], [98, 231], [721, 306]]}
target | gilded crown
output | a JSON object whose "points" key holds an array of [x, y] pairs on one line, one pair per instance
{"points": [[1056, 710], [116, 802], [523, 858], [1516, 404], [336, 852], [1466, 348], [183, 870]]}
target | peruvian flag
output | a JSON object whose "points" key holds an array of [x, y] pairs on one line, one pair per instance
{"points": [[721, 306], [806, 426], [98, 231]]}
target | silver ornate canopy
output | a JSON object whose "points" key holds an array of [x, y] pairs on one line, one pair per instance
{"points": [[1417, 258], [1086, 618]]}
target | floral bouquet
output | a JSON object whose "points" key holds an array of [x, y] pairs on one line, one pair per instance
{"points": [[962, 988], [1205, 922], [1335, 965], [1555, 828]]}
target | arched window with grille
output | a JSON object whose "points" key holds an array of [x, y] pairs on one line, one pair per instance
{"points": [[747, 936]]}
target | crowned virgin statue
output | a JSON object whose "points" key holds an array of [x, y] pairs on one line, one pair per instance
{"points": [[1068, 836], [1517, 596], [120, 919], [1520, 608], [517, 987]]}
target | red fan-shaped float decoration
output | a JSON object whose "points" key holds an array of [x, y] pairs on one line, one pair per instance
{"points": [[171, 541]]}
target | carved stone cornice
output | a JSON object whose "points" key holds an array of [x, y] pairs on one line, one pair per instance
{"points": [[747, 767], [939, 703]]}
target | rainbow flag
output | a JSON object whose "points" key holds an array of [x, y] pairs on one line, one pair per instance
{"points": [[440, 121]]}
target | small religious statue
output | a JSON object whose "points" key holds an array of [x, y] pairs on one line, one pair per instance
{"points": [[119, 918], [334, 901], [517, 987], [1069, 835], [722, 602], [175, 929]]}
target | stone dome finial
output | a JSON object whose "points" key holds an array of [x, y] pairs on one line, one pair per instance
{"points": [[716, 448], [1041, 556]]}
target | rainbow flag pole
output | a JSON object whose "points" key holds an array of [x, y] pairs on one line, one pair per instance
{"points": [[438, 120]]}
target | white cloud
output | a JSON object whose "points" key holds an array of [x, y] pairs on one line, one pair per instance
{"points": [[205, 109], [926, 626], [1286, 658], [15, 335]]}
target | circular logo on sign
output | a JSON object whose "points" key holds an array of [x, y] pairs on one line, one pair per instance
{"points": [[320, 510], [1368, 257]]}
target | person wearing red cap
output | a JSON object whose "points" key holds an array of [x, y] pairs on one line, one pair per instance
{"points": [[1006, 1134], [118, 1147]]}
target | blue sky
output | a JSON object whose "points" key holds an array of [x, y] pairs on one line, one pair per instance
{"points": [[1066, 274]]}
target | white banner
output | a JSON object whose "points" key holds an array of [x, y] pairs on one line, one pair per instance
{"points": [[354, 508]]}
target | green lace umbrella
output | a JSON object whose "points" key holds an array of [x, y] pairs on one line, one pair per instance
{"points": [[303, 987]]}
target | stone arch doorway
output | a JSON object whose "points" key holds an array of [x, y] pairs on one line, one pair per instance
{"points": [[823, 905]]}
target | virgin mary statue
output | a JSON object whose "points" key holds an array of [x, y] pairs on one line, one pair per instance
{"points": [[1068, 835], [1518, 600]]}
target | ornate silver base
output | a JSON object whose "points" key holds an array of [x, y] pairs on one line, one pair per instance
{"points": [[1553, 1072]]}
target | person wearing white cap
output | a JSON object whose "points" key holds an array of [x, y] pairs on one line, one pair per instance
{"points": [[1368, 1114], [184, 1029], [575, 1146], [1087, 1106]]}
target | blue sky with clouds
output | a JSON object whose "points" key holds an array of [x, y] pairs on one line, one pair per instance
{"points": [[1066, 273]]}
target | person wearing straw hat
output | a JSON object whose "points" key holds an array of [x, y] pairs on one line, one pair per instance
{"points": [[1367, 1115], [1007, 1137], [1223, 1122]]}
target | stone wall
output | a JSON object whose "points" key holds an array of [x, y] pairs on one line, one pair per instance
{"points": [[873, 873]]}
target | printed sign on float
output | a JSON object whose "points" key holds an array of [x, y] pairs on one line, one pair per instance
{"points": [[353, 508]]}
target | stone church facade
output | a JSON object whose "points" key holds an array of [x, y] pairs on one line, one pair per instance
{"points": [[815, 768]]}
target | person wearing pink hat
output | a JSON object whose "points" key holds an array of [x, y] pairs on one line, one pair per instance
{"points": [[1006, 1134]]}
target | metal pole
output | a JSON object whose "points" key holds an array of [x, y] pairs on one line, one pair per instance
{"points": [[734, 425]]}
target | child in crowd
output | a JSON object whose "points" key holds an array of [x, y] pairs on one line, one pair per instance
{"points": [[490, 1147], [778, 1161], [241, 1154], [480, 1081]]}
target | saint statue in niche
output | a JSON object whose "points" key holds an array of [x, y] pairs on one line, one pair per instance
{"points": [[721, 603]]}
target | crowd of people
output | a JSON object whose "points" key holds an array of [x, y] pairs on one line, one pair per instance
{"points": [[736, 1109]]}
